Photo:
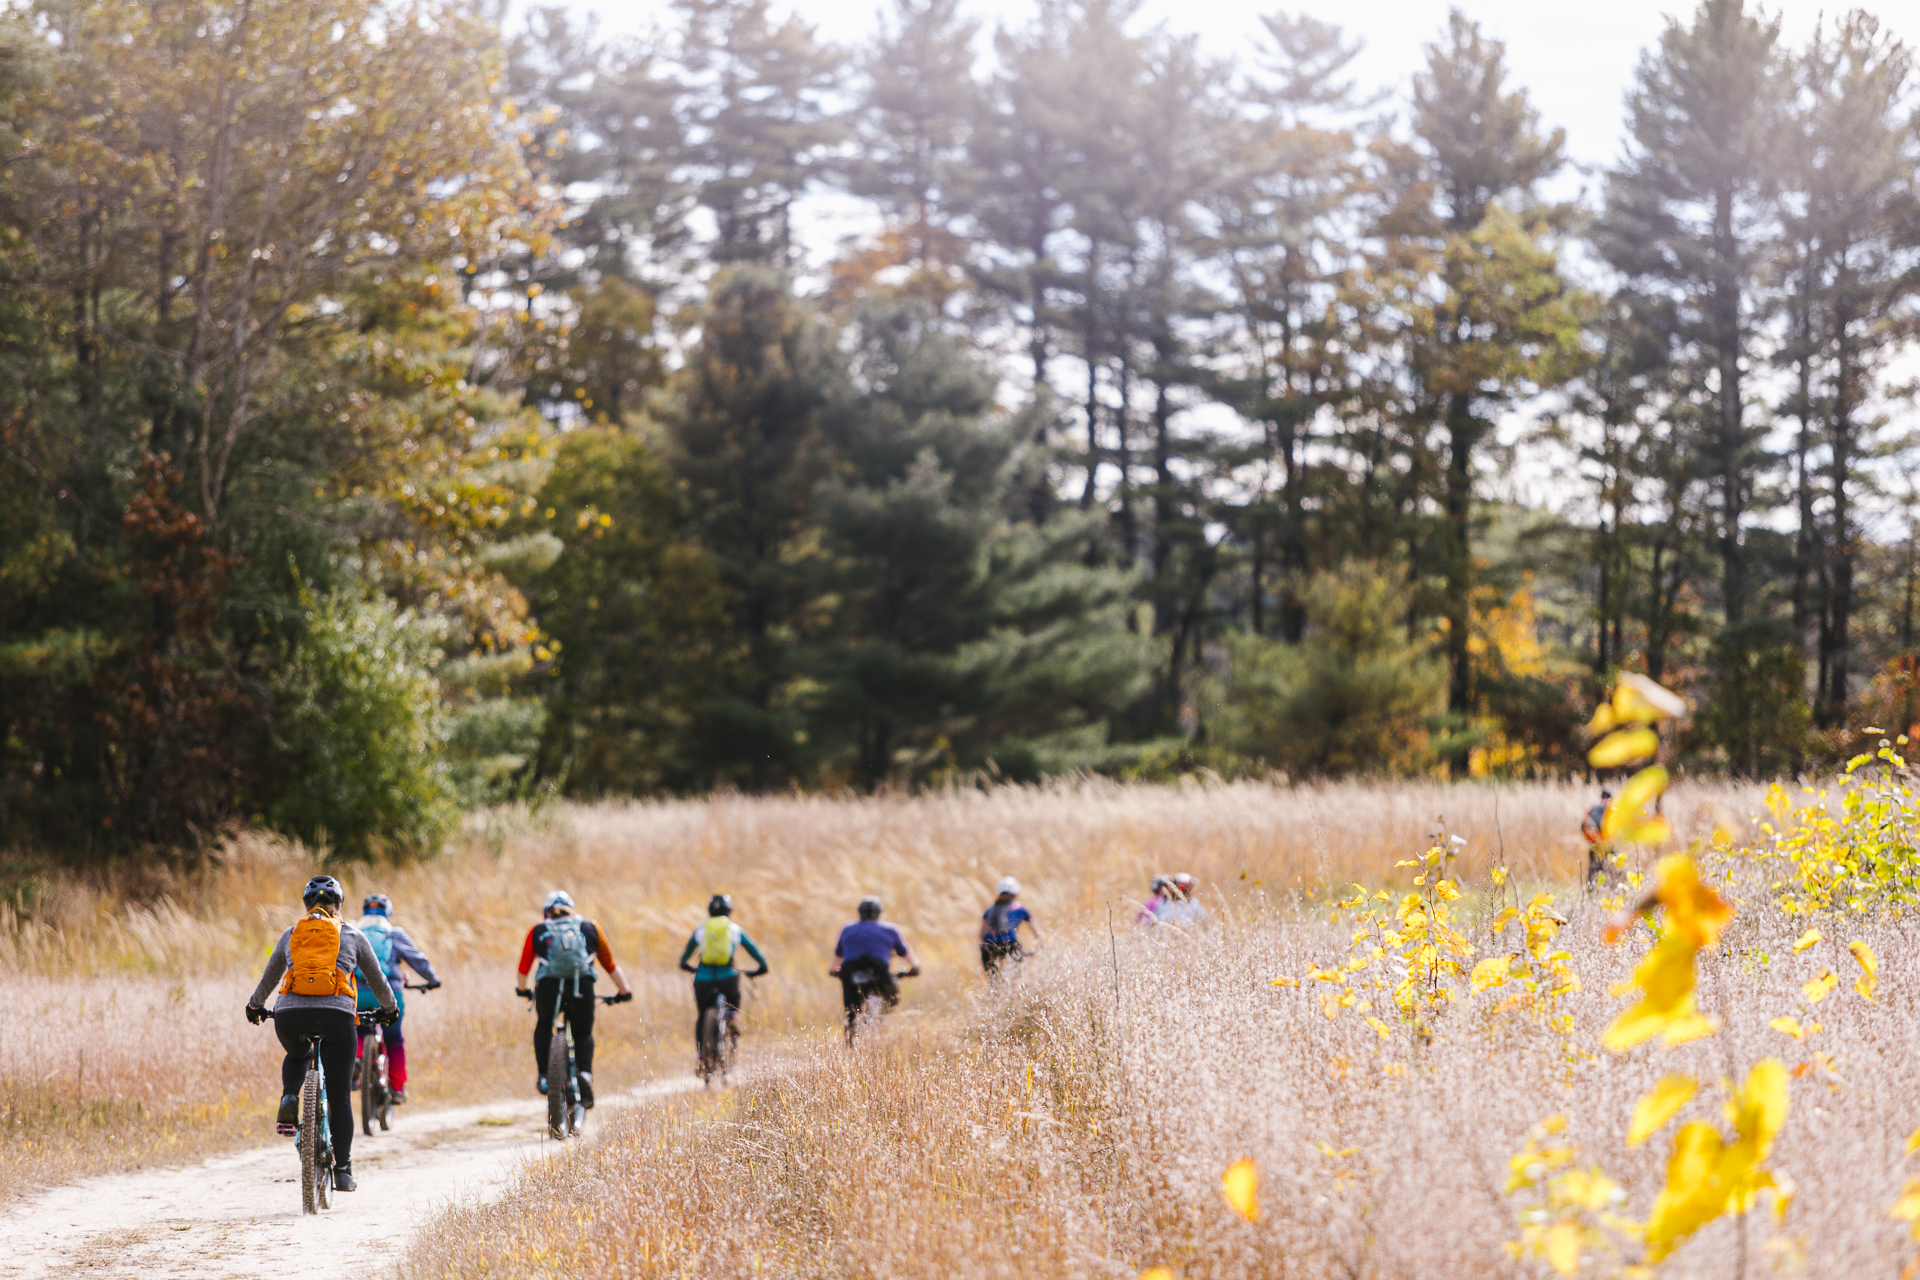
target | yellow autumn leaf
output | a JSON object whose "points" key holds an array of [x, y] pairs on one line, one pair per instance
{"points": [[1693, 1195], [1499, 876], [1635, 697], [1818, 989], [1864, 954], [1641, 790], [1807, 939], [1661, 1105], [1760, 1108], [1907, 1208], [1665, 978], [1563, 1247], [1788, 1027], [1865, 985], [1623, 746], [1157, 1273], [1491, 973], [1241, 1183], [1386, 1032], [1688, 1029], [1650, 831], [1603, 720], [1913, 1142], [1286, 982], [1694, 911]]}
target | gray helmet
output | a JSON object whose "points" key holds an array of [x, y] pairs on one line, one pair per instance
{"points": [[870, 908], [323, 889]]}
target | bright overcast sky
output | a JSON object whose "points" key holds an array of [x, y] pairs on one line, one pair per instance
{"points": [[1576, 59]]}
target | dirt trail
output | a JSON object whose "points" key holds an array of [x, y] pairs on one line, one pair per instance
{"points": [[239, 1215]]}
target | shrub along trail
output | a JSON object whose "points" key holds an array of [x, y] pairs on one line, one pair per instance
{"points": [[239, 1215]]}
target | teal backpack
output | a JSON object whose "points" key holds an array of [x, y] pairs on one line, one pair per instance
{"points": [[567, 956], [379, 931]]}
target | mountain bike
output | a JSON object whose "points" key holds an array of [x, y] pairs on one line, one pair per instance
{"points": [[566, 1112], [719, 1040], [873, 1004], [370, 1070], [314, 1140]]}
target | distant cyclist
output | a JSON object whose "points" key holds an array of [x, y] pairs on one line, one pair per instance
{"points": [[1594, 828], [317, 957], [716, 940], [1000, 927], [394, 947], [868, 946], [1182, 907], [1159, 897], [566, 944]]}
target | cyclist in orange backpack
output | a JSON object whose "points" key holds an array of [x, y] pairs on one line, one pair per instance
{"points": [[312, 966]]}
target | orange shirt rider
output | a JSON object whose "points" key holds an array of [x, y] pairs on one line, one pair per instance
{"points": [[560, 903]]}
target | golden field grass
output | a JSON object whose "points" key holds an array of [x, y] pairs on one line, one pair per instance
{"points": [[1080, 1126], [123, 1042]]}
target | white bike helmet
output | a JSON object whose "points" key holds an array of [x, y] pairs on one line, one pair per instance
{"points": [[1007, 885], [557, 898]]}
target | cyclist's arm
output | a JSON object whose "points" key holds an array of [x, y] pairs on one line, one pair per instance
{"points": [[905, 952], [693, 940], [526, 959], [752, 950], [839, 946], [276, 969], [375, 977], [605, 955], [406, 951]]}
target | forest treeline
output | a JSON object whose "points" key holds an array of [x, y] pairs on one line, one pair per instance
{"points": [[401, 413]]}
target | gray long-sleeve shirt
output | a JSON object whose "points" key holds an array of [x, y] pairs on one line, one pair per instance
{"points": [[355, 952]]}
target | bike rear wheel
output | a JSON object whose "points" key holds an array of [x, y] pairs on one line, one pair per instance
{"points": [[709, 1044], [313, 1167], [559, 1076]]}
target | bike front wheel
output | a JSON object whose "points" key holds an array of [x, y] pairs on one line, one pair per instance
{"points": [[369, 1086]]}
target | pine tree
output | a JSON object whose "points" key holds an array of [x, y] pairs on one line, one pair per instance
{"points": [[745, 420], [1687, 217], [1468, 268], [756, 124], [1852, 210]]}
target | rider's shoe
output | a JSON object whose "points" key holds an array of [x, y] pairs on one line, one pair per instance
{"points": [[586, 1089], [399, 1096], [287, 1123], [541, 1085], [343, 1177]]}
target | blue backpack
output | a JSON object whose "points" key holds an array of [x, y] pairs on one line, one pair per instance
{"points": [[379, 933], [568, 958]]}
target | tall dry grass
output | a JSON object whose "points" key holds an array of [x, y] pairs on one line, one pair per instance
{"points": [[1080, 1125], [126, 1043]]}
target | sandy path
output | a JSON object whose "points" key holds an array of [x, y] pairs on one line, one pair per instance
{"points": [[239, 1215]]}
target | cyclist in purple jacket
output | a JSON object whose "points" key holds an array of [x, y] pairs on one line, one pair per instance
{"points": [[868, 946]]}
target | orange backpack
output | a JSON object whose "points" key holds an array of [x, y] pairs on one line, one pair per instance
{"points": [[313, 959]]}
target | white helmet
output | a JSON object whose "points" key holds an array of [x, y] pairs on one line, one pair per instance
{"points": [[1008, 885], [557, 898]]}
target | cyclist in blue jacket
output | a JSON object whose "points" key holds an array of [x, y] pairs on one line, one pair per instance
{"points": [[394, 947]]}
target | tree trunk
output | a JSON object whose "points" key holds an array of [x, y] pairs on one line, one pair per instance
{"points": [[1462, 432]]}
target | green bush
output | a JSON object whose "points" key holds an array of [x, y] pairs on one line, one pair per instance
{"points": [[1356, 695], [358, 716]]}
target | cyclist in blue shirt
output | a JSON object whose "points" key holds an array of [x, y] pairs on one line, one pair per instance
{"points": [[1000, 928], [716, 940], [393, 946], [869, 946]]}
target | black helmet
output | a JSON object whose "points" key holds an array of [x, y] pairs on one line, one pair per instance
{"points": [[377, 904], [870, 908], [720, 904], [323, 889]]}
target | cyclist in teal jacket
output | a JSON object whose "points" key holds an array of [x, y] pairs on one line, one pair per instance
{"points": [[716, 940]]}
